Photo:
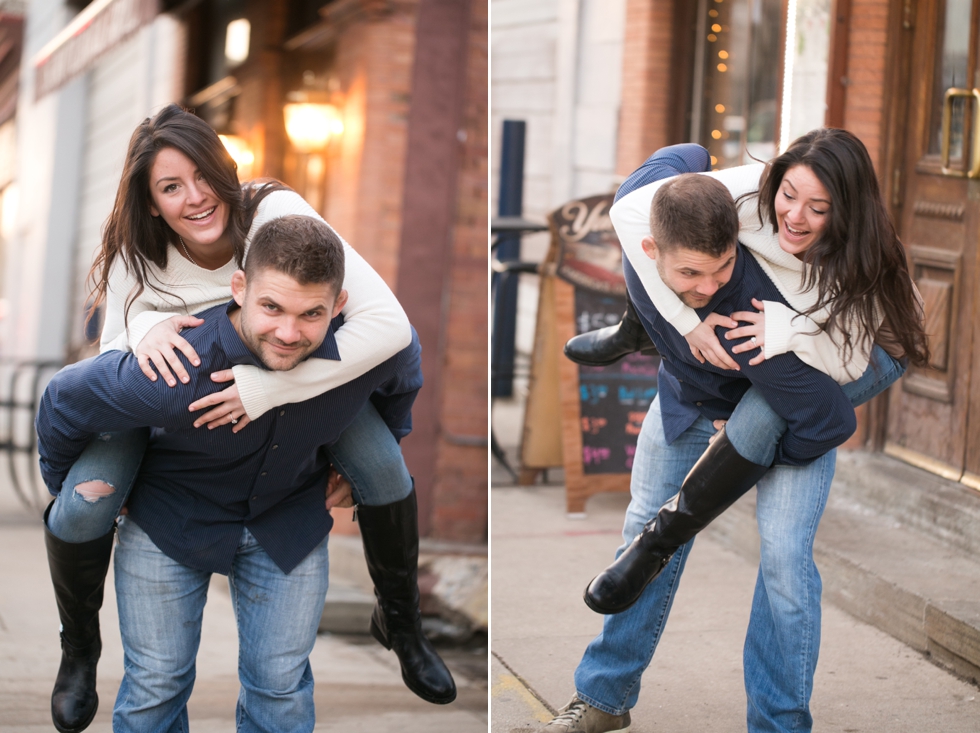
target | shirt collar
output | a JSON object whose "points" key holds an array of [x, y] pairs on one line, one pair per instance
{"points": [[238, 353]]}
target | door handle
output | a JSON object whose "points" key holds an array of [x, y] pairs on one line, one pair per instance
{"points": [[951, 94]]}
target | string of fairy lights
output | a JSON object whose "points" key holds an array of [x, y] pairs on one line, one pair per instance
{"points": [[713, 37]]}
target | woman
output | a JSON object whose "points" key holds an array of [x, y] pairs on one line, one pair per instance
{"points": [[180, 226], [822, 233]]}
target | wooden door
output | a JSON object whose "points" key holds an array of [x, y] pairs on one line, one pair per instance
{"points": [[934, 410]]}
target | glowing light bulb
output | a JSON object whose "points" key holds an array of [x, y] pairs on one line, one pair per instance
{"points": [[310, 126]]}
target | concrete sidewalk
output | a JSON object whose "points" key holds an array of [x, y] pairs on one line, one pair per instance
{"points": [[866, 680], [358, 683]]}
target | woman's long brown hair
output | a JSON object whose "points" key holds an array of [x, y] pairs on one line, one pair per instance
{"points": [[133, 234], [858, 263]]}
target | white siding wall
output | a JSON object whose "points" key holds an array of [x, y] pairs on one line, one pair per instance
{"points": [[71, 146], [557, 64], [27, 255], [132, 82]]}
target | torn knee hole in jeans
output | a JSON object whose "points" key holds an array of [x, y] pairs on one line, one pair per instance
{"points": [[92, 491]]}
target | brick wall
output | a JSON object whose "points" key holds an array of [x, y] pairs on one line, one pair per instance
{"points": [[646, 107], [866, 56], [364, 190], [365, 200], [460, 491]]}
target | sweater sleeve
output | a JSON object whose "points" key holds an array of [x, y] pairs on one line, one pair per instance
{"points": [[124, 333], [375, 328], [787, 330], [117, 335], [631, 218]]}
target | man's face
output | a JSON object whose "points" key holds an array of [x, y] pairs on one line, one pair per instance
{"points": [[282, 321], [693, 276]]}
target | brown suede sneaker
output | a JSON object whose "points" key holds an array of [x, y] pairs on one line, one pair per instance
{"points": [[580, 717]]}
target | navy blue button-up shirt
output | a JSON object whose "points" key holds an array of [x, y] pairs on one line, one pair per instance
{"points": [[196, 487], [818, 415]]}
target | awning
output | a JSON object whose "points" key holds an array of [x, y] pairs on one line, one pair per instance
{"points": [[95, 30]]}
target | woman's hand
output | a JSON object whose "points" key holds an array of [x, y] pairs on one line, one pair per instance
{"points": [[338, 491], [160, 346], [755, 332], [705, 344], [226, 405]]}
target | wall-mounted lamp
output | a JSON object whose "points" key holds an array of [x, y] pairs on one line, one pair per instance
{"points": [[237, 36], [310, 126], [239, 152]]}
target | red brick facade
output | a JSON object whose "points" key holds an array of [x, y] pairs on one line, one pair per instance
{"points": [[412, 156], [364, 191], [866, 55], [460, 506], [645, 110]]}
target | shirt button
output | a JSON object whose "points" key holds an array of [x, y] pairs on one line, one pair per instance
{"points": [[255, 498], [282, 412], [275, 446], [699, 405], [266, 473]]}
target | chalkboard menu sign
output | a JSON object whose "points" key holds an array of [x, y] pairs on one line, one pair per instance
{"points": [[614, 399], [600, 409]]}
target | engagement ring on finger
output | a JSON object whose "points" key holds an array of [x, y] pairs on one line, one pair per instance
{"points": [[234, 421], [753, 340]]}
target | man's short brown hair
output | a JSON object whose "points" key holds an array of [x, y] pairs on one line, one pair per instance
{"points": [[303, 247], [695, 212]]}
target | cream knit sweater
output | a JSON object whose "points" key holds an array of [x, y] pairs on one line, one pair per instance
{"points": [[375, 325], [786, 329]]}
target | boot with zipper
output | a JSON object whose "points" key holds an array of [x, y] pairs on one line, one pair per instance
{"points": [[610, 344], [719, 478], [391, 547], [78, 573]]}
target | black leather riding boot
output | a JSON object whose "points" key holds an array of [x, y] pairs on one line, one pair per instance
{"points": [[717, 480], [78, 573], [391, 546], [610, 344]]}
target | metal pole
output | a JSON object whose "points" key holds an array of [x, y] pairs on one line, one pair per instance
{"points": [[510, 203]]}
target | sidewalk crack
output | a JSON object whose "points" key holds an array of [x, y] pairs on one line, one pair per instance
{"points": [[527, 685]]}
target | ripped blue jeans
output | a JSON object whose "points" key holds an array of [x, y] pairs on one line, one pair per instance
{"points": [[366, 454]]}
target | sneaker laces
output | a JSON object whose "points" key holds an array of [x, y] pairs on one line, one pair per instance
{"points": [[573, 713]]}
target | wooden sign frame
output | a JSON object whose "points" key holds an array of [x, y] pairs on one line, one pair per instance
{"points": [[553, 421], [578, 486]]}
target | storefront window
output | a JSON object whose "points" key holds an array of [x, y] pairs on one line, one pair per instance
{"points": [[736, 94], [739, 97], [952, 51], [804, 103]]}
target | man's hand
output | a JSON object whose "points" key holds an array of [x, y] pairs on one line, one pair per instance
{"points": [[705, 344], [755, 332], [160, 345], [338, 491], [227, 405]]}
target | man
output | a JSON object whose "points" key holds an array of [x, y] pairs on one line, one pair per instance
{"points": [[248, 505], [699, 258]]}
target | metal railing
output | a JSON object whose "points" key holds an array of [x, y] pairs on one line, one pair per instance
{"points": [[21, 385], [502, 369]]}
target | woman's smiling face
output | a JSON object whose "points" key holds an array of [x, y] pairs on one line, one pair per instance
{"points": [[180, 194], [802, 210]]}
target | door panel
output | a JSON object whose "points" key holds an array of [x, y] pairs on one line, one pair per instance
{"points": [[930, 412]]}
